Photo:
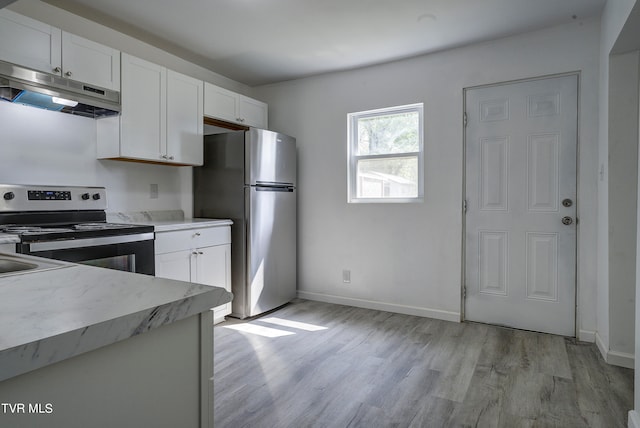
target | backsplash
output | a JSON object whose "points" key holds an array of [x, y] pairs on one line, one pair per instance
{"points": [[44, 147]]}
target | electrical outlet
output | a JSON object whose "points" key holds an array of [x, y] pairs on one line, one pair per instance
{"points": [[346, 276], [153, 191]]}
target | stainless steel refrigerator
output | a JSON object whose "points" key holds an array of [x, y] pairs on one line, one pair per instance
{"points": [[250, 177]]}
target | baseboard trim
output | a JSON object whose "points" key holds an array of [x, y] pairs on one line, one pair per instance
{"points": [[587, 336], [621, 359], [380, 306], [602, 347], [634, 419]]}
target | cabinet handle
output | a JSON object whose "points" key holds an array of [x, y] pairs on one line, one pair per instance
{"points": [[195, 253], [197, 234], [200, 252], [57, 70], [170, 157], [163, 156], [68, 74]]}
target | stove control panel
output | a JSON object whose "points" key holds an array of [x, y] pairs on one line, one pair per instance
{"points": [[19, 198], [48, 195]]}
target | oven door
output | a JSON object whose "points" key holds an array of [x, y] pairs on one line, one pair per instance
{"points": [[132, 253]]}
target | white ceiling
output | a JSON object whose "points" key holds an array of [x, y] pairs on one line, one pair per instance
{"points": [[264, 41]]}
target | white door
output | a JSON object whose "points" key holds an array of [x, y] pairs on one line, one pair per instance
{"points": [[520, 191]]}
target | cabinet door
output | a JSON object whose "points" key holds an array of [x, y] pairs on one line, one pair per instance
{"points": [[144, 109], [29, 43], [220, 103], [90, 62], [213, 267], [184, 118], [176, 265], [252, 112]]}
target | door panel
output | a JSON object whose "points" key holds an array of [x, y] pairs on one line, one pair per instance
{"points": [[271, 270], [271, 157], [521, 144]]}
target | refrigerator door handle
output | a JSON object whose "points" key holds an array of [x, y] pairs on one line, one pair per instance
{"points": [[274, 188], [273, 184]]}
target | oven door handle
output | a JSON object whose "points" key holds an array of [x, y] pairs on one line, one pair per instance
{"points": [[89, 242]]}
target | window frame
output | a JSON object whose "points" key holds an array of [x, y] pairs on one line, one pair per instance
{"points": [[353, 158]]}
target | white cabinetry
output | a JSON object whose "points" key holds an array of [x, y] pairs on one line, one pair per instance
{"points": [[220, 103], [33, 44], [200, 255], [184, 118], [161, 118], [90, 62]]}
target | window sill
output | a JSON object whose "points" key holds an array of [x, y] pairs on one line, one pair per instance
{"points": [[385, 200]]}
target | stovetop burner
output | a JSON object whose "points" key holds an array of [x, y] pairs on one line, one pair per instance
{"points": [[101, 226], [19, 230], [34, 233], [31, 230]]}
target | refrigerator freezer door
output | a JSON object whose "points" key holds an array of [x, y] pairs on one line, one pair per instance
{"points": [[269, 157], [271, 249]]}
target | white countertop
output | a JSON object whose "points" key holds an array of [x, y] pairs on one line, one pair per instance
{"points": [[52, 315], [165, 221], [8, 238], [187, 223]]}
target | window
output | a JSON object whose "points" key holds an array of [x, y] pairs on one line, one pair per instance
{"points": [[386, 155]]}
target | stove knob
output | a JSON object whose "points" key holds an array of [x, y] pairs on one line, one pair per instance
{"points": [[96, 196], [9, 195], [85, 196]]}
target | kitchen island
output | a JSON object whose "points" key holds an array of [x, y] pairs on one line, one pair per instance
{"points": [[85, 346]]}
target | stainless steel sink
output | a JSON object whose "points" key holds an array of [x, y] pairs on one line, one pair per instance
{"points": [[11, 264]]}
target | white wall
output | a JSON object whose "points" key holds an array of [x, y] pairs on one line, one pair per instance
{"points": [[622, 203], [613, 19], [407, 258], [45, 147]]}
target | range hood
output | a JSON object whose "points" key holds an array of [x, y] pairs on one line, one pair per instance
{"points": [[35, 88]]}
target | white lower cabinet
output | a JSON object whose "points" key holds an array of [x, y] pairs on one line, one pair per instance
{"points": [[201, 255]]}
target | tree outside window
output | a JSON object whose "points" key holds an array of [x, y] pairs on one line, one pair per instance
{"points": [[386, 155]]}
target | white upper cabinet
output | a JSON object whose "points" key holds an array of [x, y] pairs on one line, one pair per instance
{"points": [[30, 43], [184, 118], [36, 45], [252, 112], [161, 119], [90, 62], [144, 109], [220, 103]]}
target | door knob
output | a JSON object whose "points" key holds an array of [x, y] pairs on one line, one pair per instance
{"points": [[567, 202], [567, 220]]}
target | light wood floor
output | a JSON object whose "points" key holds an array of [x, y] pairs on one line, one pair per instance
{"points": [[368, 368]]}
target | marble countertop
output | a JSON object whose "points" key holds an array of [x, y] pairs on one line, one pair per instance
{"points": [[8, 238], [52, 315], [190, 223], [165, 221]]}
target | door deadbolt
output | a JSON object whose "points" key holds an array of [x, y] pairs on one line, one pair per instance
{"points": [[567, 220], [567, 202]]}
